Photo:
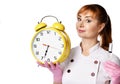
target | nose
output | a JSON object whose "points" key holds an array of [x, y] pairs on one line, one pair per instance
{"points": [[81, 24]]}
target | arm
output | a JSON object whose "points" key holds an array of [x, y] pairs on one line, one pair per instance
{"points": [[56, 71]]}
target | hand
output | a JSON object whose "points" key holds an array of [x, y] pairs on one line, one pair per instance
{"points": [[55, 69], [46, 50], [113, 70], [51, 46]]}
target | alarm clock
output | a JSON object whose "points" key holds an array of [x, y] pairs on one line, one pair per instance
{"points": [[50, 43]]}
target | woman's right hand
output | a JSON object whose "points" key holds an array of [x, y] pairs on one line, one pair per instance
{"points": [[55, 69]]}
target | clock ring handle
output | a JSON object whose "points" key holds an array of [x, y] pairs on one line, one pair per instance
{"points": [[57, 25], [50, 16]]}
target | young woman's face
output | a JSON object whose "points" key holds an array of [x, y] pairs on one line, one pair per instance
{"points": [[87, 26]]}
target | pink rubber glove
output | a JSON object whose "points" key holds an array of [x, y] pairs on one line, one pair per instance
{"points": [[55, 69], [113, 70]]}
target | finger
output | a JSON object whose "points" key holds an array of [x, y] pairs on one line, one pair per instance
{"points": [[108, 64], [111, 71], [52, 65], [111, 65], [40, 64], [108, 68], [58, 65], [47, 65]]}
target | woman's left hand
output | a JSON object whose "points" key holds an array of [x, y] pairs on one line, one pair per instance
{"points": [[113, 70]]}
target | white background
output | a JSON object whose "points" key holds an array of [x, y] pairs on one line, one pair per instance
{"points": [[17, 21]]}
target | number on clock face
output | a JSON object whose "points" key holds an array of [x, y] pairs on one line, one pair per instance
{"points": [[48, 45]]}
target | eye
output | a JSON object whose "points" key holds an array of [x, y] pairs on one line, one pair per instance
{"points": [[88, 20], [79, 19]]}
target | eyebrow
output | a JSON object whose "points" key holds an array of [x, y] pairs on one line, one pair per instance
{"points": [[85, 16]]}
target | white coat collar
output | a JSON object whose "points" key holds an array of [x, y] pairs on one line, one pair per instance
{"points": [[92, 49], [95, 47]]}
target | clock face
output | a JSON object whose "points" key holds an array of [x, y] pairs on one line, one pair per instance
{"points": [[48, 45]]}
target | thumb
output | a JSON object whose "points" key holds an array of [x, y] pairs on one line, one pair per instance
{"points": [[40, 64]]}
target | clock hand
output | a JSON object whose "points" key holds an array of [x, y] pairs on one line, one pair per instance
{"points": [[54, 48], [44, 44], [46, 50], [51, 46]]}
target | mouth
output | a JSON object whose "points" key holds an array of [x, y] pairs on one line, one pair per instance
{"points": [[81, 31]]}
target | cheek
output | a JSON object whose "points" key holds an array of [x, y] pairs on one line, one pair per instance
{"points": [[76, 24], [93, 30]]}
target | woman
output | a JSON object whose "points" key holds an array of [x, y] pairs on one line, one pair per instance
{"points": [[89, 62]]}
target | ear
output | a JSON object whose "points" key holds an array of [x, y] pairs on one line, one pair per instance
{"points": [[101, 27]]}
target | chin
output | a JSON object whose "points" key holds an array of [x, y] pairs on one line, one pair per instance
{"points": [[81, 36], [84, 36]]}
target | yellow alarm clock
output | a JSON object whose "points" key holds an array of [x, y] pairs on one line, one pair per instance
{"points": [[51, 44]]}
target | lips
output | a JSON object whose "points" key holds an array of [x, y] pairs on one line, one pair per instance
{"points": [[81, 31]]}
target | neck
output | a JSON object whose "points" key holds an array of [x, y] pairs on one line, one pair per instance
{"points": [[86, 44]]}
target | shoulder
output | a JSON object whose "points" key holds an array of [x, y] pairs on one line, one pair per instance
{"points": [[105, 55], [73, 52], [114, 58], [76, 49]]}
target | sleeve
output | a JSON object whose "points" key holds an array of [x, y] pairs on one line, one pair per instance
{"points": [[103, 75], [114, 59]]}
